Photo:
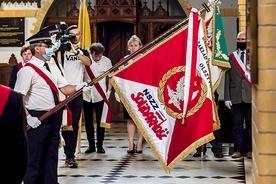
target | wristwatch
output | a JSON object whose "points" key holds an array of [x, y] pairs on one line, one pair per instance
{"points": [[77, 52]]}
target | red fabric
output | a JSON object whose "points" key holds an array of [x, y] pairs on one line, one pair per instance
{"points": [[20, 65], [102, 93], [240, 69], [150, 70], [45, 77], [5, 93]]}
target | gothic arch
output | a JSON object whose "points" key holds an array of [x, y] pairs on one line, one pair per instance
{"points": [[41, 15], [42, 12]]}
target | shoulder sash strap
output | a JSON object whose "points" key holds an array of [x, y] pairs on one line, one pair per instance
{"points": [[106, 114], [241, 67], [45, 77], [5, 93], [20, 65]]}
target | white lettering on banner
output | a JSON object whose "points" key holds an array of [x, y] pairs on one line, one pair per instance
{"points": [[154, 118]]}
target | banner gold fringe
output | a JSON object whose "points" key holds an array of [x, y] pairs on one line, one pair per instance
{"points": [[67, 128], [105, 125], [138, 123]]}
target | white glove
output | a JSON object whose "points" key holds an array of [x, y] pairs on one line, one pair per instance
{"points": [[228, 104], [108, 94], [33, 121], [82, 86], [117, 97]]}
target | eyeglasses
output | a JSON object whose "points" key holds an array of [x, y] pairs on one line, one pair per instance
{"points": [[44, 45]]}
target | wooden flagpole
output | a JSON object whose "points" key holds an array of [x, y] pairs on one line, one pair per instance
{"points": [[120, 65], [82, 45], [79, 132]]}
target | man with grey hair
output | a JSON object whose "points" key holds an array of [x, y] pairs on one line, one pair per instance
{"points": [[237, 96]]}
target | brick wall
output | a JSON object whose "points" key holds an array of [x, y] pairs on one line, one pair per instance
{"points": [[264, 96]]}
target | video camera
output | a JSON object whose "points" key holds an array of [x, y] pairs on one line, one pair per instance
{"points": [[64, 37]]}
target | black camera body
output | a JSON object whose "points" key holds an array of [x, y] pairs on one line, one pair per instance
{"points": [[64, 37]]}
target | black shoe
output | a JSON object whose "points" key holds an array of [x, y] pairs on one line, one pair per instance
{"points": [[132, 151], [90, 150], [100, 150], [139, 151], [218, 155], [71, 163], [198, 154]]}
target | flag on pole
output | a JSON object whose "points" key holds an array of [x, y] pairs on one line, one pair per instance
{"points": [[152, 88], [218, 52], [84, 26]]}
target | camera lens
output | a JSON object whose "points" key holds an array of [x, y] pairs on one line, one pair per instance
{"points": [[65, 46], [62, 26]]}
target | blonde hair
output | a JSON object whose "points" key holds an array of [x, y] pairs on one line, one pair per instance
{"points": [[134, 38]]}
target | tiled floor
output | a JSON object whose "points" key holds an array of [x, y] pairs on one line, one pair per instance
{"points": [[118, 167]]}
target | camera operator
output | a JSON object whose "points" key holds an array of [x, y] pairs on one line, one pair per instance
{"points": [[72, 59]]}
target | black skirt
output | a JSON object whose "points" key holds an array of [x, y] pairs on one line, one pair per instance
{"points": [[126, 115]]}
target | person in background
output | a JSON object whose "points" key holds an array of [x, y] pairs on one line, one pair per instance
{"points": [[26, 55], [133, 44], [237, 97], [13, 136], [216, 143], [73, 62], [39, 86], [93, 99]]}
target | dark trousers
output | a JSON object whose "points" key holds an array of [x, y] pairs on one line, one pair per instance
{"points": [[43, 145], [242, 137], [216, 144], [88, 108], [71, 137]]}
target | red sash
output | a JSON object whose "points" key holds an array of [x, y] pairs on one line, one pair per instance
{"points": [[45, 77], [5, 93], [241, 67], [20, 65], [106, 114]]}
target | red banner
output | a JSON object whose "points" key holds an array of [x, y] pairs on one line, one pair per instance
{"points": [[152, 88]]}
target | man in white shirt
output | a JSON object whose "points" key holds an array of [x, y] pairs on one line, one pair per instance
{"points": [[73, 62], [39, 85], [93, 99]]}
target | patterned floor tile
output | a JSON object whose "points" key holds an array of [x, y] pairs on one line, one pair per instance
{"points": [[118, 167]]}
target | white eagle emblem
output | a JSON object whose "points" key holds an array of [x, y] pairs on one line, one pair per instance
{"points": [[176, 96]]}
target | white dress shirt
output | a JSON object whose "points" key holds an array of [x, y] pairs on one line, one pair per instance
{"points": [[97, 68], [38, 93]]}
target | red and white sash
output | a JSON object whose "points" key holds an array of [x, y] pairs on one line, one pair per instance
{"points": [[106, 114], [241, 67], [67, 114], [45, 77]]}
